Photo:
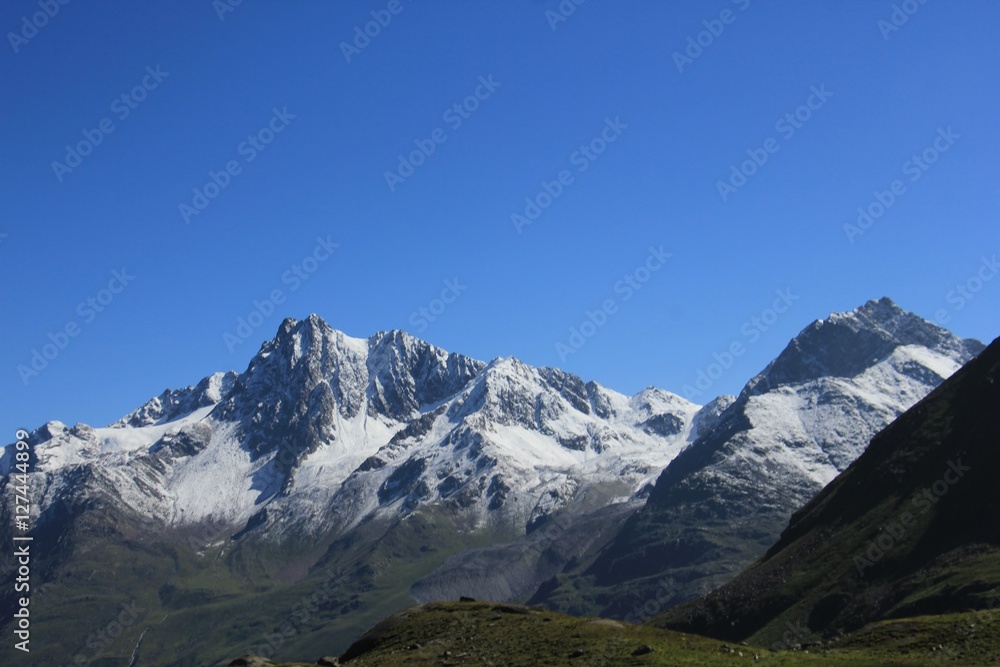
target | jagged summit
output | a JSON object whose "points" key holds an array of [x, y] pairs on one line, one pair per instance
{"points": [[845, 344], [174, 404], [325, 429]]}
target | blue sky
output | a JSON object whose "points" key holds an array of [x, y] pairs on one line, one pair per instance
{"points": [[249, 157]]}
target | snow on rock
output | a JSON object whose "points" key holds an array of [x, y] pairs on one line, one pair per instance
{"points": [[814, 409], [325, 430]]}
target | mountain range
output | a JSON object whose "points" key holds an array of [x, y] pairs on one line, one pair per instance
{"points": [[893, 564], [358, 474]]}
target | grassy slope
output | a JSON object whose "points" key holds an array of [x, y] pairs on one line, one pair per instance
{"points": [[477, 633]]}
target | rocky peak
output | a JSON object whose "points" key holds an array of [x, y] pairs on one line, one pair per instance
{"points": [[176, 403], [408, 374], [845, 344]]}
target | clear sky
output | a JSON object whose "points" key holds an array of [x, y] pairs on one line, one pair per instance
{"points": [[216, 155]]}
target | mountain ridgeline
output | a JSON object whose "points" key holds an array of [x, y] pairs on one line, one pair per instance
{"points": [[373, 459], [285, 509], [725, 499]]}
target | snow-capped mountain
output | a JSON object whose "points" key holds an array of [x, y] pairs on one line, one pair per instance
{"points": [[323, 430], [793, 428], [173, 405], [364, 469], [881, 541]]}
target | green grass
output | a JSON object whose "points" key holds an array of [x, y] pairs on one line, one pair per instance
{"points": [[952, 639], [483, 634]]}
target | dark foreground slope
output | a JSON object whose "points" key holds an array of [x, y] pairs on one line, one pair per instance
{"points": [[910, 529]]}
